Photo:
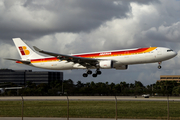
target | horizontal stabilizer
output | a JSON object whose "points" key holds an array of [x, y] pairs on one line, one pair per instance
{"points": [[23, 61]]}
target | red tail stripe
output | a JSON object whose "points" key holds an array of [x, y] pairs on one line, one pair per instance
{"points": [[22, 51]]}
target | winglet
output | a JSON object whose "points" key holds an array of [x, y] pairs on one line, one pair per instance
{"points": [[37, 49]]}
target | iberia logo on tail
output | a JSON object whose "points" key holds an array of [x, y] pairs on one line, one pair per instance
{"points": [[23, 50]]}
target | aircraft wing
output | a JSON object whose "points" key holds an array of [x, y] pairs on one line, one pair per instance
{"points": [[23, 61], [87, 62]]}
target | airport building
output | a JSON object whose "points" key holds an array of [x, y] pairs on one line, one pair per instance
{"points": [[170, 78], [20, 77]]}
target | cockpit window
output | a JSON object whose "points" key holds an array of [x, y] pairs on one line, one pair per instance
{"points": [[169, 50]]}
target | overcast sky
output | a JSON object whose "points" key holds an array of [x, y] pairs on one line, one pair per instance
{"points": [[78, 26]]}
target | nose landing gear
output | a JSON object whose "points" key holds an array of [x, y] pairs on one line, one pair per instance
{"points": [[159, 66]]}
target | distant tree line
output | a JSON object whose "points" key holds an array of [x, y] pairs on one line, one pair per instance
{"points": [[67, 87]]}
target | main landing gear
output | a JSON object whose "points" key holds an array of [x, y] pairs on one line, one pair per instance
{"points": [[98, 72], [159, 66], [86, 74]]}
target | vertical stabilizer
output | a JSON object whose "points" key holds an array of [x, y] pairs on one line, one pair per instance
{"points": [[24, 50]]}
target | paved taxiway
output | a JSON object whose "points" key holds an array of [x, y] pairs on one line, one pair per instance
{"points": [[38, 118], [91, 98]]}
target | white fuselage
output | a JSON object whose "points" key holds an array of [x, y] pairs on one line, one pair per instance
{"points": [[121, 57]]}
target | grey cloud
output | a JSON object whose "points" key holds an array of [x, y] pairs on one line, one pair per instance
{"points": [[37, 18], [31, 19], [164, 33]]}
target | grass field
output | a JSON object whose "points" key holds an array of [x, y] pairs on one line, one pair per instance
{"points": [[90, 109]]}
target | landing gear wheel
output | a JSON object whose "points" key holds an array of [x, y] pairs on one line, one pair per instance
{"points": [[98, 72], [94, 75], [159, 67], [89, 72], [85, 75]]}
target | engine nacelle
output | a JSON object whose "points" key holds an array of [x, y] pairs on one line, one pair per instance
{"points": [[106, 64], [121, 67]]}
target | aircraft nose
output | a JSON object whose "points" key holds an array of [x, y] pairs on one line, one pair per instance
{"points": [[174, 54]]}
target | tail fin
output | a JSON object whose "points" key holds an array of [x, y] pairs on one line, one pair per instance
{"points": [[24, 50]]}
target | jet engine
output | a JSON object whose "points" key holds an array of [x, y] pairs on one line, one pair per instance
{"points": [[105, 64]]}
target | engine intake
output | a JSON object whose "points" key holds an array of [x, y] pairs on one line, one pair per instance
{"points": [[106, 64]]}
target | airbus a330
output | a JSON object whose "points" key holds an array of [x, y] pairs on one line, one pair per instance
{"points": [[115, 59]]}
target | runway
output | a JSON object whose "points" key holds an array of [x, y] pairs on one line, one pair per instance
{"points": [[90, 98], [43, 118]]}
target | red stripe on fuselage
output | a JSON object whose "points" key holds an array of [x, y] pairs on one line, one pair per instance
{"points": [[52, 59], [95, 55], [109, 53]]}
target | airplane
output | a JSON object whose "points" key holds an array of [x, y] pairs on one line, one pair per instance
{"points": [[2, 90], [115, 59]]}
